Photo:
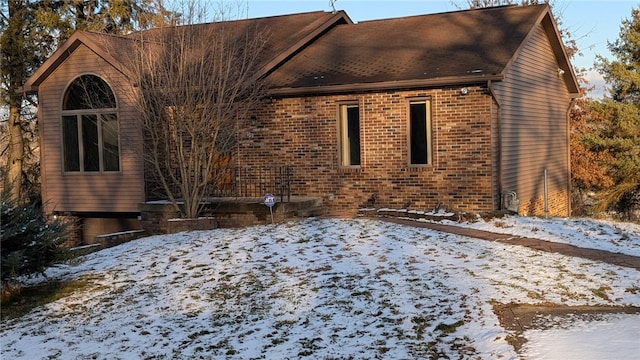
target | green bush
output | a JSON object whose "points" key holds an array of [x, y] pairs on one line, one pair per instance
{"points": [[29, 242]]}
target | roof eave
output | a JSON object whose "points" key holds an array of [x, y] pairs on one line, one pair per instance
{"points": [[550, 27], [385, 85], [560, 51], [49, 65]]}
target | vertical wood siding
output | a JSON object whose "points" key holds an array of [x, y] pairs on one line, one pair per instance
{"points": [[89, 192], [534, 126]]}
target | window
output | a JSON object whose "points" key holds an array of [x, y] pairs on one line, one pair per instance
{"points": [[90, 140], [349, 133], [419, 132]]}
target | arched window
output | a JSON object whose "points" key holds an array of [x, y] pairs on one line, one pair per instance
{"points": [[90, 126]]}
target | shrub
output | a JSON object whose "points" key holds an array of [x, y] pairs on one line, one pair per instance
{"points": [[29, 242]]}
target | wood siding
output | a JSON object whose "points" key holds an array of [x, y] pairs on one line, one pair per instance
{"points": [[534, 101], [88, 192]]}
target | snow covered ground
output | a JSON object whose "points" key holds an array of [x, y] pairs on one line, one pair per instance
{"points": [[334, 289], [587, 233]]}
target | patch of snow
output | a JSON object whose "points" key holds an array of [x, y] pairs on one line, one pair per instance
{"points": [[161, 202], [83, 247], [191, 219], [120, 233], [614, 336], [606, 235]]}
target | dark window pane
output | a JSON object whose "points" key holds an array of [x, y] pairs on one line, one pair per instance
{"points": [[353, 132], [71, 151], [418, 133], [90, 143], [94, 139], [88, 92], [110, 149]]}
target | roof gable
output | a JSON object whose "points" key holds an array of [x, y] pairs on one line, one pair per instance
{"points": [[446, 48], [93, 41]]}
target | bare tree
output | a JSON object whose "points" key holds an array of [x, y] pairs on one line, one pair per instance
{"points": [[195, 85], [479, 4]]}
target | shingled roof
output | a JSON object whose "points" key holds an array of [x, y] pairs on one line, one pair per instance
{"points": [[319, 51], [286, 34], [443, 48]]}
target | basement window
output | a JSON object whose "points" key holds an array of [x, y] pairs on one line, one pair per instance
{"points": [[90, 137]]}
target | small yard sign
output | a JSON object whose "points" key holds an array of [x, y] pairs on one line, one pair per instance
{"points": [[269, 200]]}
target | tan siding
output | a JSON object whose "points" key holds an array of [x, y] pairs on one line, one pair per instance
{"points": [[534, 102], [76, 192]]}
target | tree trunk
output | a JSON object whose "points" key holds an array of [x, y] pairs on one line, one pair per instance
{"points": [[15, 152], [14, 72]]}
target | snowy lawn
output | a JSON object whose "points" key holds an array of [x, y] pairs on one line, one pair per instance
{"points": [[319, 289]]}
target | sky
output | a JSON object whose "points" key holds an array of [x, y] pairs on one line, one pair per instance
{"points": [[591, 22]]}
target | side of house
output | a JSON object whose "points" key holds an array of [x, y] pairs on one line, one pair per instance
{"points": [[386, 113], [348, 147], [91, 138], [494, 120], [534, 101], [95, 173]]}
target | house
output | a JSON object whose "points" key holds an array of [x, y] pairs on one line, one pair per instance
{"points": [[468, 109]]}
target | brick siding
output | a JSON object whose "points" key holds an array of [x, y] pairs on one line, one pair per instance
{"points": [[74, 228], [302, 132], [557, 203]]}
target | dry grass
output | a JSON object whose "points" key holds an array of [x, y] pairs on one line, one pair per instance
{"points": [[24, 299]]}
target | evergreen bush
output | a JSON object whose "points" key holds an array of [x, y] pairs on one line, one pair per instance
{"points": [[29, 242]]}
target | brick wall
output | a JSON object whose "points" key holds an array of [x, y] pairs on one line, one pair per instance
{"points": [[74, 235], [557, 202], [114, 239], [154, 217], [303, 132]]}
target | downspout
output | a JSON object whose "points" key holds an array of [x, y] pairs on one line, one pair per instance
{"points": [[572, 103], [546, 193], [499, 147]]}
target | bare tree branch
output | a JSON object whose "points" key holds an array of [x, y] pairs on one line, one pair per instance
{"points": [[195, 85]]}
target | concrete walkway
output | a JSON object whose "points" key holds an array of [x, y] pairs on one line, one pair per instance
{"points": [[564, 249]]}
